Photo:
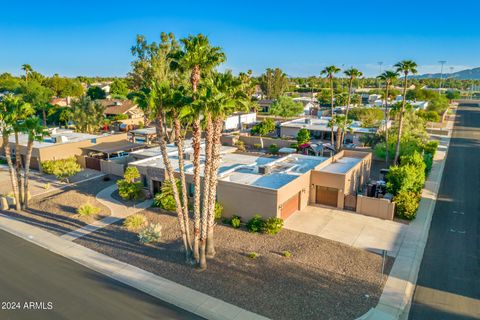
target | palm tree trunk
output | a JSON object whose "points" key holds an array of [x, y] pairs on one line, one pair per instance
{"points": [[171, 178], [349, 99], [331, 107], [44, 114], [216, 159], [196, 143], [386, 127], [13, 176], [18, 169], [400, 123], [183, 184], [26, 173]]}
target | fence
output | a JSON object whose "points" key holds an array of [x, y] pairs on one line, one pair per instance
{"points": [[375, 207], [113, 168]]}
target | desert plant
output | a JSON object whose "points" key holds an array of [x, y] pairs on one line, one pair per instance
{"points": [[150, 233], [235, 222], [406, 204], [165, 199], [63, 169], [240, 145], [87, 209], [257, 146], [252, 255], [46, 186], [255, 224], [272, 225], [135, 222], [128, 188], [218, 211], [287, 254]]}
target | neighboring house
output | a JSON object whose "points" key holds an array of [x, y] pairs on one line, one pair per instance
{"points": [[319, 129], [61, 144], [310, 105], [124, 111], [105, 86], [239, 120], [271, 187], [264, 105], [61, 102]]}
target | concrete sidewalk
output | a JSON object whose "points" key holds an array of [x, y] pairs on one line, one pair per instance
{"points": [[161, 288], [353, 229], [398, 292], [118, 211]]}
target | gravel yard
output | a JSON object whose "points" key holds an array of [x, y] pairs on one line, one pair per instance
{"points": [[321, 280], [56, 210]]}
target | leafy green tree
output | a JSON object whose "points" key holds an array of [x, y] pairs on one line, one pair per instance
{"points": [[431, 116], [96, 93], [119, 88], [303, 136], [286, 107], [406, 204], [9, 83], [38, 96], [87, 114], [264, 128], [63, 169], [64, 87], [452, 95], [274, 83], [438, 104], [128, 187]]}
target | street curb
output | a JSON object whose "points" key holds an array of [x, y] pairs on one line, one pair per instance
{"points": [[397, 294], [181, 296]]}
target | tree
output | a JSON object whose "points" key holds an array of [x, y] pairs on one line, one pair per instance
{"points": [[431, 116], [353, 74], [263, 128], [128, 187], [199, 57], [389, 77], [452, 95], [9, 83], [303, 136], [119, 88], [28, 69], [38, 96], [329, 72], [406, 67], [63, 169], [64, 87], [286, 107], [96, 93], [88, 115], [273, 83]]}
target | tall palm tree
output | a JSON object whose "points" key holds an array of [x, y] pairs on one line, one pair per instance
{"points": [[352, 73], [330, 72], [35, 132], [199, 57], [389, 77], [28, 69], [404, 67]]}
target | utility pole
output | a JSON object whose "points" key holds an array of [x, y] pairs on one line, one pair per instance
{"points": [[442, 62]]}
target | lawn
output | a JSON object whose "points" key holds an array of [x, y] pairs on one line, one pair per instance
{"points": [[321, 279]]}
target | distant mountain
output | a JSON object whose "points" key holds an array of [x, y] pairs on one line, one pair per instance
{"points": [[469, 74]]}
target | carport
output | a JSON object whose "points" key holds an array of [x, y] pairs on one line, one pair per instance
{"points": [[107, 150]]}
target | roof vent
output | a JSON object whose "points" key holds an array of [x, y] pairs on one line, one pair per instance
{"points": [[264, 169], [117, 103]]}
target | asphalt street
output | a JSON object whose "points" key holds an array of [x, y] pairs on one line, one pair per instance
{"points": [[38, 284], [448, 285]]}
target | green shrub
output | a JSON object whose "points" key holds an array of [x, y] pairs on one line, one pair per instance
{"points": [[46, 186], [255, 224], [165, 199], [218, 211], [428, 159], [303, 136], [272, 225], [135, 222], [406, 204], [263, 128], [128, 188], [257, 146], [405, 178], [287, 254], [235, 222], [431, 147], [62, 169], [86, 210], [150, 234], [273, 148], [294, 145], [240, 145], [252, 255]]}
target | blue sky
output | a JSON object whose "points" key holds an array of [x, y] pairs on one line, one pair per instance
{"points": [[94, 38]]}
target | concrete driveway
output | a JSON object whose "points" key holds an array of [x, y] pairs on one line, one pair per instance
{"points": [[350, 228]]}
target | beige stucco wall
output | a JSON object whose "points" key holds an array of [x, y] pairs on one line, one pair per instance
{"points": [[289, 131], [299, 185], [375, 207]]}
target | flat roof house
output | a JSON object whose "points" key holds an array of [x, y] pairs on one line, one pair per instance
{"points": [[272, 187]]}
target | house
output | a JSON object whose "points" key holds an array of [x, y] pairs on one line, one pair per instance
{"points": [[271, 187], [319, 129], [309, 104], [239, 120], [61, 102], [60, 144], [264, 105], [123, 111]]}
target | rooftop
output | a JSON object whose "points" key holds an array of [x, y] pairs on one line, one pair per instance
{"points": [[321, 124], [341, 165]]}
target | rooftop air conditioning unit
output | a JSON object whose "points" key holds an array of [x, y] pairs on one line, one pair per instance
{"points": [[117, 103], [264, 169], [61, 139], [188, 156]]}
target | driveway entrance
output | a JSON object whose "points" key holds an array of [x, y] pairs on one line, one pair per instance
{"points": [[350, 228]]}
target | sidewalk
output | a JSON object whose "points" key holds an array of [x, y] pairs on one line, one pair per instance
{"points": [[398, 291], [158, 287], [118, 211]]}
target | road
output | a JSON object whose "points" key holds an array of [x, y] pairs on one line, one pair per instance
{"points": [[31, 274], [448, 285]]}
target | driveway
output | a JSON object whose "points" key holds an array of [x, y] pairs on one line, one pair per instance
{"points": [[350, 228]]}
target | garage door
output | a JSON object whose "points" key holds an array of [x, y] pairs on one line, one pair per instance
{"points": [[290, 206], [327, 196]]}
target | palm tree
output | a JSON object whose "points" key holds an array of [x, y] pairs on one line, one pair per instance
{"points": [[198, 57], [329, 72], [389, 77], [405, 67], [27, 68], [342, 124], [352, 73], [35, 132], [225, 95]]}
